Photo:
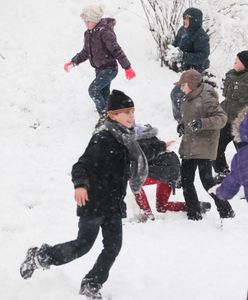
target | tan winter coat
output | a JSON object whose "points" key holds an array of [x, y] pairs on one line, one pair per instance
{"points": [[203, 104]]}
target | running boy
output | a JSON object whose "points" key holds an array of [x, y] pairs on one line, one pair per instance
{"points": [[100, 179]]}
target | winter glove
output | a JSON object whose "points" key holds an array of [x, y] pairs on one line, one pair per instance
{"points": [[130, 74], [180, 129], [68, 66], [195, 125]]}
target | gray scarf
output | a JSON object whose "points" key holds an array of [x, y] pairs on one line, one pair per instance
{"points": [[138, 165]]}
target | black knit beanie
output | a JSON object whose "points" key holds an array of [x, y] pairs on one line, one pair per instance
{"points": [[243, 57], [119, 100]]}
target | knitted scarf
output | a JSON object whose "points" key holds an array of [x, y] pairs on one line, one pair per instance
{"points": [[138, 162]]}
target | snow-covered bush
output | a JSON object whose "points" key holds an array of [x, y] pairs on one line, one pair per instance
{"points": [[225, 21]]}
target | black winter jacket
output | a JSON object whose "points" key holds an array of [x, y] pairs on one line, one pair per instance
{"points": [[104, 171], [194, 42]]}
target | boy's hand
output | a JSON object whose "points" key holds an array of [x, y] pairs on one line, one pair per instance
{"points": [[81, 196], [130, 74], [68, 66], [195, 125], [168, 144]]}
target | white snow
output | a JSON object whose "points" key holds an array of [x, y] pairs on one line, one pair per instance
{"points": [[47, 119]]}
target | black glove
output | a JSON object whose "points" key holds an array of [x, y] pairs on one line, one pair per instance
{"points": [[180, 129], [195, 125]]}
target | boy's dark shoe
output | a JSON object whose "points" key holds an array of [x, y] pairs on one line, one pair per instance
{"points": [[194, 215], [146, 216], [90, 290], [226, 213], [35, 258], [204, 207], [29, 265]]}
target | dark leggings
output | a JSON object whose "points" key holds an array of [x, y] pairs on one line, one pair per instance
{"points": [[87, 234], [220, 164]]}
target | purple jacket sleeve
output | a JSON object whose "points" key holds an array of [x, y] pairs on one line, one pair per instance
{"points": [[231, 183], [109, 39], [80, 57]]}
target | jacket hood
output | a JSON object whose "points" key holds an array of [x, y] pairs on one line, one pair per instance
{"points": [[195, 17], [240, 126], [108, 23], [145, 131]]}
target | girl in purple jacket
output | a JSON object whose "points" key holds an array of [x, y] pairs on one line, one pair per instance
{"points": [[103, 52], [239, 166]]}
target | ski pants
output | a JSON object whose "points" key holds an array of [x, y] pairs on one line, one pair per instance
{"points": [[88, 231], [99, 89], [189, 167], [163, 192]]}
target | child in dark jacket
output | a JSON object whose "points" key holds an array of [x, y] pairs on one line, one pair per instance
{"points": [[103, 52], [164, 171], [100, 178], [192, 42], [239, 167], [235, 91]]}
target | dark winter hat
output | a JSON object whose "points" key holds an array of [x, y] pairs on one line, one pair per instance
{"points": [[192, 77], [243, 57], [195, 16], [118, 101]]}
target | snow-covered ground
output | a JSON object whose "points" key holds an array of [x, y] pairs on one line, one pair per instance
{"points": [[47, 119]]}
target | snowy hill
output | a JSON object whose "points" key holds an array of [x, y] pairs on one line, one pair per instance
{"points": [[47, 119]]}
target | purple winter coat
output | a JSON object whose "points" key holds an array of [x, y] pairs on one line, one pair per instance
{"points": [[239, 168], [101, 47]]}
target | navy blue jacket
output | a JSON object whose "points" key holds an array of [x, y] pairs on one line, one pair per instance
{"points": [[194, 42]]}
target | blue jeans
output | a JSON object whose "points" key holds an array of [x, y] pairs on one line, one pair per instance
{"points": [[99, 89], [177, 96], [88, 231]]}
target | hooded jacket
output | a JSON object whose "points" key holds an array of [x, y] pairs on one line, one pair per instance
{"points": [[101, 47], [239, 165], [235, 92], [194, 42], [202, 103]]}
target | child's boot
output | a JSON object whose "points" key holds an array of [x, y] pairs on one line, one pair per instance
{"points": [[35, 258]]}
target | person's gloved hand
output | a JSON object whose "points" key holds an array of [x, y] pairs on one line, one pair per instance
{"points": [[130, 74], [180, 129], [68, 66], [195, 125]]}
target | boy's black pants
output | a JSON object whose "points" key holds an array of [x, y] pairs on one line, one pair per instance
{"points": [[189, 167], [87, 234]]}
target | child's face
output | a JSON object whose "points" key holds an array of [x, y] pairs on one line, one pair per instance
{"points": [[238, 66], [186, 22], [125, 118], [185, 88], [90, 25]]}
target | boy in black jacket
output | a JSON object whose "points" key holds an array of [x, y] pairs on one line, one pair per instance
{"points": [[100, 179]]}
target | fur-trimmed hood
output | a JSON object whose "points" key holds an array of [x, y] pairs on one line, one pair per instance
{"points": [[240, 126], [145, 131]]}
